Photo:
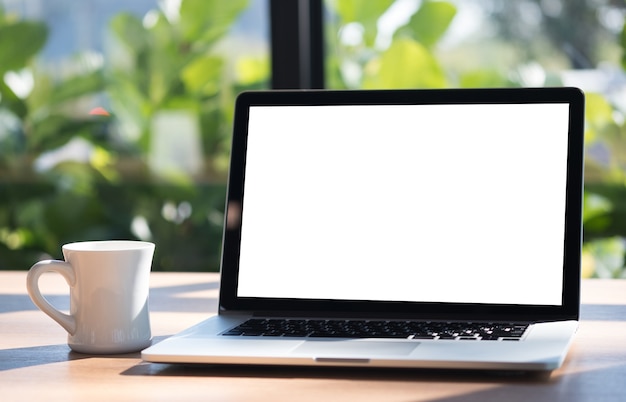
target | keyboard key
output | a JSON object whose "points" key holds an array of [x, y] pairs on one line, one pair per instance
{"points": [[378, 329]]}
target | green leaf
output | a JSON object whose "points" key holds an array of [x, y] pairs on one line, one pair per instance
{"points": [[163, 62], [203, 75], [361, 11], [129, 29], [208, 19], [595, 206], [55, 130], [365, 13], [12, 102], [406, 64], [19, 42], [483, 79], [252, 69], [598, 110], [77, 86], [129, 101], [431, 21]]}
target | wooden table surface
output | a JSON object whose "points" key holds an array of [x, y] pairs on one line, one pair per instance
{"points": [[37, 365]]}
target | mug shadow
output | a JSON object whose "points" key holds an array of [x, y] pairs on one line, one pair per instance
{"points": [[163, 299], [18, 358]]}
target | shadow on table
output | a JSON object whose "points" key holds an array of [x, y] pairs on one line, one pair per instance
{"points": [[14, 303], [507, 386], [181, 298], [338, 373], [162, 299], [36, 356], [173, 298]]}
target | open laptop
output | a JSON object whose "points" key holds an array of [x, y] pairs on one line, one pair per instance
{"points": [[398, 228]]}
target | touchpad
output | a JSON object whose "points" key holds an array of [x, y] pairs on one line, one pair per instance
{"points": [[355, 348]]}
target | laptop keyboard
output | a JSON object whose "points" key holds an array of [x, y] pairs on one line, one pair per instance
{"points": [[379, 329]]}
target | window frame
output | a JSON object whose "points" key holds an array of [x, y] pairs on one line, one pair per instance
{"points": [[297, 44]]}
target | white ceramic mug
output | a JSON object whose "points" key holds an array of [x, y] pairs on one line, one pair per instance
{"points": [[109, 286]]}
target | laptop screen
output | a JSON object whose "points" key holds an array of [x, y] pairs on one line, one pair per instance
{"points": [[434, 203]]}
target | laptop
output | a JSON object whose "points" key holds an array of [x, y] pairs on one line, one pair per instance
{"points": [[398, 228]]}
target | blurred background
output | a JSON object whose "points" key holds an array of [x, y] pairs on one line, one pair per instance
{"points": [[116, 116]]}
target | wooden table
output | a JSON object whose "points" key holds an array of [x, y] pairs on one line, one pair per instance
{"points": [[37, 365]]}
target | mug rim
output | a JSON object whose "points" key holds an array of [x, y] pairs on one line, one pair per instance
{"points": [[107, 245]]}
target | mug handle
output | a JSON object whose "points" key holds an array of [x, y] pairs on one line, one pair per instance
{"points": [[32, 285]]}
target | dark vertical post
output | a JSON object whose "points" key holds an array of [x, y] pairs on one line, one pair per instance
{"points": [[297, 43]]}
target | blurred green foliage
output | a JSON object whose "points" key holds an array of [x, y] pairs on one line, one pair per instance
{"points": [[69, 175], [116, 186], [358, 60]]}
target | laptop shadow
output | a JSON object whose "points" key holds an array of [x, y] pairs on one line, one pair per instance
{"points": [[345, 373]]}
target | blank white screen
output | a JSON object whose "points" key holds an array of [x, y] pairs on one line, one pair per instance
{"points": [[431, 203]]}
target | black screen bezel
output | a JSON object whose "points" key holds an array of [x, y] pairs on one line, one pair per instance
{"points": [[569, 309]]}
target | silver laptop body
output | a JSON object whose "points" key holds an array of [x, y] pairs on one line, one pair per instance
{"points": [[453, 213]]}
